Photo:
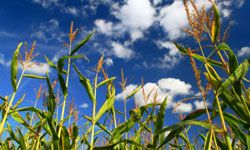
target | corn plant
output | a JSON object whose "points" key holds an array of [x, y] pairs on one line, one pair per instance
{"points": [[224, 125]]}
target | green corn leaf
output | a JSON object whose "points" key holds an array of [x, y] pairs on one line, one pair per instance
{"points": [[108, 104], [34, 76], [74, 136], [21, 140], [103, 128], [88, 118], [17, 117], [229, 98], [62, 84], [195, 114], [133, 93], [171, 135], [51, 104], [19, 101], [221, 144], [120, 129], [233, 64], [87, 85], [216, 24], [14, 67], [51, 64], [60, 65], [159, 121], [237, 75], [38, 112], [198, 57], [64, 140], [248, 141], [208, 140], [105, 82], [111, 146], [83, 42], [212, 80], [189, 122]]}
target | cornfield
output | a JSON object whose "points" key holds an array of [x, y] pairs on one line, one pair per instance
{"points": [[225, 125]]}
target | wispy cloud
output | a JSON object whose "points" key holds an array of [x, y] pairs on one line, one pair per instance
{"points": [[244, 52], [84, 105], [4, 61], [5, 34], [49, 31], [47, 3]]}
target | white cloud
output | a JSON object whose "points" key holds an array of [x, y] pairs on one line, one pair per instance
{"points": [[108, 62], [175, 86], [3, 61], [33, 67], [200, 104], [183, 108], [244, 51], [46, 3], [156, 2], [84, 105], [6, 34], [151, 90], [136, 16], [173, 18], [104, 27], [121, 51], [37, 68], [171, 58], [158, 91], [71, 10], [128, 90], [173, 51], [49, 31]]}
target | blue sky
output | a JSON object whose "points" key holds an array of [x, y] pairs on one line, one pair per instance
{"points": [[135, 35]]}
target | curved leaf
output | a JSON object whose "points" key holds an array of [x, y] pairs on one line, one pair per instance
{"points": [[14, 67]]}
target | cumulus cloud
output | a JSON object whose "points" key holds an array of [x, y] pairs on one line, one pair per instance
{"points": [[173, 18], [108, 62], [128, 90], [121, 51], [157, 92], [84, 105], [37, 68], [183, 108], [175, 86], [136, 17], [104, 27], [200, 104], [244, 51]]}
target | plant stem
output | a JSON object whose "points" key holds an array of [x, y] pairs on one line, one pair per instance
{"points": [[10, 104], [32, 116], [227, 138], [65, 97], [93, 115]]}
